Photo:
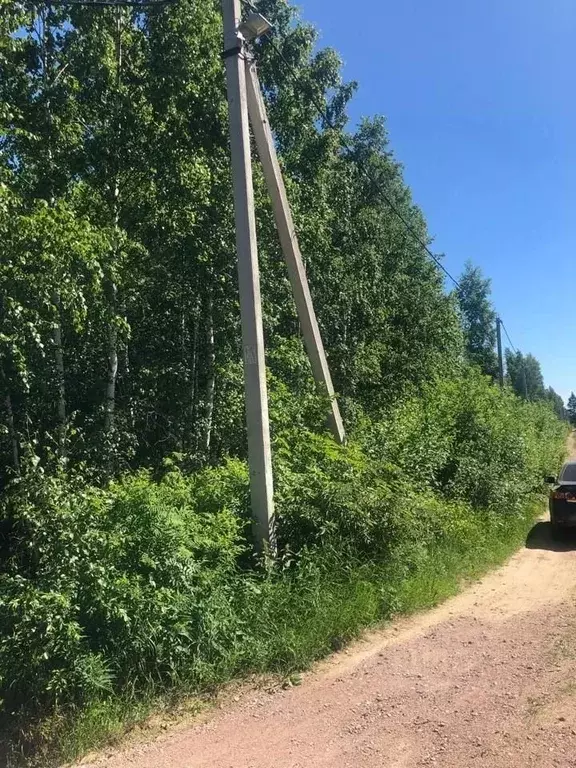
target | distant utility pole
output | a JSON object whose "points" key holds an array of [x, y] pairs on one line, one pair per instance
{"points": [[500, 358], [525, 381], [290, 247], [259, 454]]}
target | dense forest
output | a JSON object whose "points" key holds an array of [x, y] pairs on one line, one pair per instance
{"points": [[125, 559]]}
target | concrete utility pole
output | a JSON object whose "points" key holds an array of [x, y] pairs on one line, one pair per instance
{"points": [[500, 358], [290, 247], [259, 454]]}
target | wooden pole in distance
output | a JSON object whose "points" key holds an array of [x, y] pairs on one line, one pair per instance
{"points": [[259, 453], [290, 248]]}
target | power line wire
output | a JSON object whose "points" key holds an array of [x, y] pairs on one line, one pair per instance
{"points": [[378, 187], [374, 182], [508, 336], [522, 361], [346, 145]]}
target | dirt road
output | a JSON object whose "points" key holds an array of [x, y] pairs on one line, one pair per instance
{"points": [[486, 679]]}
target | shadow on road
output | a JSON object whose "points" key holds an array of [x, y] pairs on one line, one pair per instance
{"points": [[542, 537]]}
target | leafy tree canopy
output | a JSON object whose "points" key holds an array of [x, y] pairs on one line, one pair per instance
{"points": [[478, 319]]}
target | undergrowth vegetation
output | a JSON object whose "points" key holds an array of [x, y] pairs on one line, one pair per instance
{"points": [[113, 595], [127, 573]]}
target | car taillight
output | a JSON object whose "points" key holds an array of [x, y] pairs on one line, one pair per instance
{"points": [[560, 495]]}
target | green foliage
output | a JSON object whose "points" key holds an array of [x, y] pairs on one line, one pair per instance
{"points": [[557, 403], [146, 584], [109, 587], [525, 375], [572, 409], [114, 156], [479, 319], [126, 567]]}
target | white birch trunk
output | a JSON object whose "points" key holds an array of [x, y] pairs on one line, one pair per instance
{"points": [[211, 375], [110, 405], [60, 379]]}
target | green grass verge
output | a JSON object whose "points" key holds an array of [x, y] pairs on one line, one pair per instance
{"points": [[290, 622]]}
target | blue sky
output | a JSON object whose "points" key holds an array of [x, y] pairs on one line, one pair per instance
{"points": [[480, 101]]}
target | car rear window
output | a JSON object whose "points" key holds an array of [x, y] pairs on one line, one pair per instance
{"points": [[569, 474]]}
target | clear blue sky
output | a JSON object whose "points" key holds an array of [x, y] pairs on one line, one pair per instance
{"points": [[480, 101]]}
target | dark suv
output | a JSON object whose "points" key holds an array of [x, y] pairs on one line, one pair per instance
{"points": [[563, 497]]}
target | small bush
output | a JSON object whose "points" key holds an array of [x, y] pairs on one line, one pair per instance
{"points": [[103, 589]]}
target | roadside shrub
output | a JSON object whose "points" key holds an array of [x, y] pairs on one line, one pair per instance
{"points": [[148, 584], [470, 441], [106, 588]]}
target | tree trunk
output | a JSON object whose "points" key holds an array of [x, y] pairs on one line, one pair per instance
{"points": [[211, 375], [192, 409], [185, 372], [126, 388], [12, 434], [192, 430], [110, 406], [112, 362], [60, 378], [56, 297]]}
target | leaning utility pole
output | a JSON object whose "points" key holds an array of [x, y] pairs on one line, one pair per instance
{"points": [[290, 247], [259, 454], [500, 358]]}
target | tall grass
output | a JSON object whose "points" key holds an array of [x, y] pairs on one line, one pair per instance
{"points": [[288, 622]]}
